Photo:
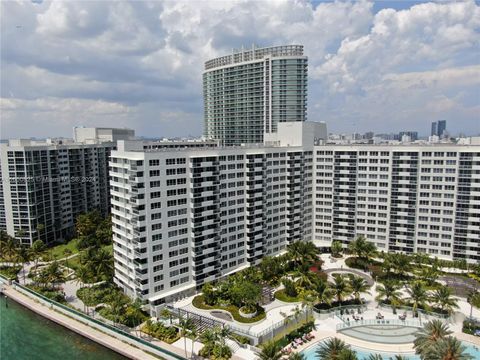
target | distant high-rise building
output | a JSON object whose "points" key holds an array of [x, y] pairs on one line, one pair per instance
{"points": [[438, 128], [247, 93], [413, 135], [47, 184]]}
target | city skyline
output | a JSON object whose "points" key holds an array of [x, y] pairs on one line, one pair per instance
{"points": [[382, 66]]}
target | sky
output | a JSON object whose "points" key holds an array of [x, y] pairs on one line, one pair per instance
{"points": [[383, 66]]}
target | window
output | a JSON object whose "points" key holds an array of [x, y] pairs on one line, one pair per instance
{"points": [[155, 194], [154, 184]]}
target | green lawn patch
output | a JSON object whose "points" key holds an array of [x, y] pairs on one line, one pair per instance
{"points": [[199, 303], [282, 296], [73, 263], [60, 251]]}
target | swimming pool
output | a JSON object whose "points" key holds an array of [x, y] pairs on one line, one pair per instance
{"points": [[364, 353]]}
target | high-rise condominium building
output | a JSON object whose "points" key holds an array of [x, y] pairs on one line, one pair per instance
{"points": [[403, 198], [47, 184], [183, 217], [438, 128], [247, 93]]}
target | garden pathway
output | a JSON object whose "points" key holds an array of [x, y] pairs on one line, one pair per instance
{"points": [[362, 274]]}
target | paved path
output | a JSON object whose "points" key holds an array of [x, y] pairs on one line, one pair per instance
{"points": [[362, 274]]}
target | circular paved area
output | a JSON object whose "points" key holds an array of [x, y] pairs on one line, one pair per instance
{"points": [[365, 276]]}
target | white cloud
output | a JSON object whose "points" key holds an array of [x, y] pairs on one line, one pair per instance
{"points": [[142, 61]]}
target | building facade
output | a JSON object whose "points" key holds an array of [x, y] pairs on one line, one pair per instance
{"points": [[183, 217], [403, 198], [439, 128], [247, 93], [47, 184]]}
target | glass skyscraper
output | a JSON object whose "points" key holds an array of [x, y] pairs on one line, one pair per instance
{"points": [[248, 92]]}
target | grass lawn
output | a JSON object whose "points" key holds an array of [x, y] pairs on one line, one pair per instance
{"points": [[73, 263], [58, 251], [280, 295]]}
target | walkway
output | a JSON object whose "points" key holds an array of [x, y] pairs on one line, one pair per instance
{"points": [[362, 274]]}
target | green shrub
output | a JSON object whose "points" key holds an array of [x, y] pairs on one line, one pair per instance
{"points": [[469, 327], [240, 339], [10, 272], [97, 294], [49, 292], [282, 296], [290, 289], [168, 334]]}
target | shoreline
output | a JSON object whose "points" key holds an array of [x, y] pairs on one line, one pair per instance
{"points": [[127, 350]]}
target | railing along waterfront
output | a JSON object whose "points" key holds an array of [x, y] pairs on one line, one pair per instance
{"points": [[118, 333], [375, 322]]}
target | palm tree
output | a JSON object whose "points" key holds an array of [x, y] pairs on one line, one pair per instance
{"points": [[294, 251], [296, 312], [340, 287], [306, 280], [358, 285], [347, 354], [323, 292], [302, 252], [336, 248], [270, 351], [473, 297], [209, 337], [429, 274], [222, 352], [331, 349], [296, 356], [82, 275], [429, 335], [388, 291], [449, 348], [417, 295], [362, 248], [399, 357], [186, 325], [54, 273], [224, 333], [194, 337], [102, 264], [9, 249], [38, 247], [443, 298], [375, 357], [401, 264], [23, 257]]}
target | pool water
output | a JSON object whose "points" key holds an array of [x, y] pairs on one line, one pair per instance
{"points": [[364, 353]]}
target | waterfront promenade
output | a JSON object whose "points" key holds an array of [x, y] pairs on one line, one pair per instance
{"points": [[111, 342]]}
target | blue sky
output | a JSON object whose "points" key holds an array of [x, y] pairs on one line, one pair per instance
{"points": [[373, 66]]}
